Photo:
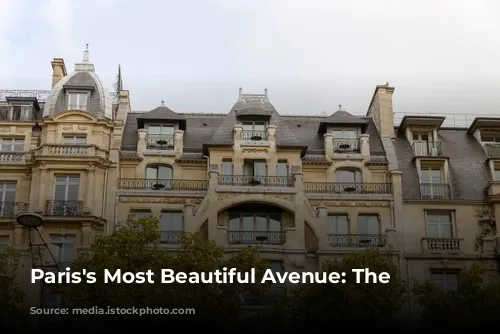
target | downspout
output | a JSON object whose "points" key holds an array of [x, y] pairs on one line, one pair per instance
{"points": [[105, 188]]}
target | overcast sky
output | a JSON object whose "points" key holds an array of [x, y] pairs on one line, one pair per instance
{"points": [[441, 56]]}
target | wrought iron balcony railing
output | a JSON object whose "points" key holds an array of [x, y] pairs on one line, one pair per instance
{"points": [[254, 135], [346, 145], [492, 150], [10, 156], [256, 237], [162, 184], [171, 237], [12, 209], [435, 191], [160, 142], [347, 188], [357, 240], [426, 149], [64, 208], [82, 107], [261, 181], [70, 150], [437, 245], [270, 296]]}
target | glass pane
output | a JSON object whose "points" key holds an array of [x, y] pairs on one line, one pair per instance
{"points": [[276, 267], [248, 169], [72, 99], [74, 179], [60, 192], [151, 173], [497, 174], [415, 137], [368, 225], [167, 130], [234, 222], [154, 130], [261, 222], [282, 169], [166, 221], [446, 231], [177, 222], [260, 168], [350, 134], [259, 126], [435, 175], [80, 140], [227, 168], [345, 176], [342, 227], [18, 145], [432, 231], [72, 192], [164, 172], [247, 126], [61, 179], [275, 223], [425, 175], [247, 223]]}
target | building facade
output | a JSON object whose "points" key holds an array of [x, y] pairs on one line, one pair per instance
{"points": [[304, 188]]}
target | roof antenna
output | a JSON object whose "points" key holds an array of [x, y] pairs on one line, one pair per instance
{"points": [[162, 103]]}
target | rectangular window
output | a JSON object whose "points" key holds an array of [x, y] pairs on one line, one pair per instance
{"points": [[439, 225], [161, 130], [337, 224], [75, 140], [4, 242], [431, 175], [77, 101], [282, 168], [227, 172], [349, 134], [255, 222], [66, 188], [254, 130], [368, 224], [7, 199], [12, 145], [63, 248], [22, 113], [446, 280], [171, 222], [138, 214], [496, 174], [255, 168], [254, 126]]}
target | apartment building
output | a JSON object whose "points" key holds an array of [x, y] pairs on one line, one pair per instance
{"points": [[304, 188]]}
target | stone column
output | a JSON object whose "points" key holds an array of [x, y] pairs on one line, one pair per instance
{"points": [[364, 143], [43, 189], [328, 138], [391, 237], [213, 179], [86, 235], [321, 227], [237, 132], [142, 141], [189, 218], [298, 179], [178, 143]]}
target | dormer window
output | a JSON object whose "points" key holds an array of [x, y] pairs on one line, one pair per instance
{"points": [[160, 136], [22, 113], [254, 130], [75, 140], [345, 140], [490, 137], [78, 101]]}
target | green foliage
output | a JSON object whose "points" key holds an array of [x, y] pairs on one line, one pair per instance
{"points": [[134, 248], [344, 303], [11, 294], [474, 302]]}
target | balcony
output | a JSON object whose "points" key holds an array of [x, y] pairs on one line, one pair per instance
{"points": [[170, 237], [441, 245], [13, 157], [256, 181], [426, 149], [435, 191], [12, 209], [270, 296], [65, 150], [162, 184], [64, 208], [492, 151], [254, 135], [159, 142], [347, 188], [256, 238], [346, 146], [357, 240]]}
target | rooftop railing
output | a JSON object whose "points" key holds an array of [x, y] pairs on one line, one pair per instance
{"points": [[451, 120]]}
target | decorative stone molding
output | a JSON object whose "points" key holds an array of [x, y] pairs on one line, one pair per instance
{"points": [[224, 196], [362, 204], [163, 200], [254, 150], [288, 198]]}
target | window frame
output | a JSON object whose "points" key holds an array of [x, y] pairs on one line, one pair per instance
{"points": [[242, 215], [77, 106], [337, 215], [446, 273], [14, 141], [450, 214], [368, 214]]}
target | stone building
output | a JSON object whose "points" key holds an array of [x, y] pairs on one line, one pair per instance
{"points": [[305, 188]]}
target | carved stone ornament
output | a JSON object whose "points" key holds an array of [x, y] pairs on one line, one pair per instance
{"points": [[254, 150], [162, 200], [364, 204]]}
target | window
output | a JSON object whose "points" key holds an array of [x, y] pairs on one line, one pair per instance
{"points": [[421, 144], [139, 214], [446, 280], [496, 174], [161, 130], [348, 176], [349, 134], [4, 242], [160, 136], [77, 101], [254, 130], [337, 224], [22, 113], [490, 136], [254, 228], [432, 184], [254, 172], [282, 168], [171, 227], [7, 199], [227, 171], [75, 140], [12, 145], [439, 225], [431, 175], [66, 201], [63, 248], [368, 224], [160, 176]]}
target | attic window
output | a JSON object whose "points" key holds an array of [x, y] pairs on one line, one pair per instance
{"points": [[254, 130], [77, 101]]}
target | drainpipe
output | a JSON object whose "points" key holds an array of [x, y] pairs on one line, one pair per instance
{"points": [[105, 188], [208, 165]]}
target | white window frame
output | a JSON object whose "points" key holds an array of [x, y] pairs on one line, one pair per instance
{"points": [[12, 143], [82, 101], [75, 139], [440, 225]]}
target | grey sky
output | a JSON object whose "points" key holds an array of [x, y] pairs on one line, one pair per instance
{"points": [[442, 56]]}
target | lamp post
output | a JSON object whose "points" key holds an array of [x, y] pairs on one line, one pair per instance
{"points": [[32, 221]]}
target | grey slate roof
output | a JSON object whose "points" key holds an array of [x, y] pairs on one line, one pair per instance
{"points": [[342, 117], [468, 170]]}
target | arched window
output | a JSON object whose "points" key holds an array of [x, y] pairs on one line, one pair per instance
{"points": [[348, 175], [159, 177], [159, 172]]}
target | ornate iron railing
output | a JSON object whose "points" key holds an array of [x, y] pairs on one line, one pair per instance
{"points": [[492, 150], [171, 237], [40, 95], [160, 142], [261, 181], [357, 240], [347, 188], [435, 191], [346, 145], [254, 135], [272, 295], [64, 208], [162, 184], [442, 244], [426, 149], [256, 237], [12, 156], [12, 209]]}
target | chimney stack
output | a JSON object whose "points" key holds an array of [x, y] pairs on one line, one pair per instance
{"points": [[58, 70]]}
